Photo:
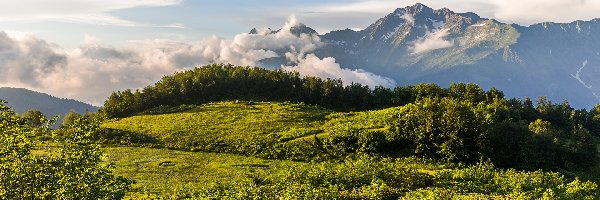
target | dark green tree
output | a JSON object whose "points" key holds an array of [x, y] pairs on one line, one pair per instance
{"points": [[442, 128], [70, 118], [34, 118]]}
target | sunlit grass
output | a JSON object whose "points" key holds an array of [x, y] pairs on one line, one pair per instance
{"points": [[227, 123], [163, 172]]}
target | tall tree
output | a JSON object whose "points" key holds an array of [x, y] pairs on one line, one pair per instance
{"points": [[34, 118], [70, 118]]}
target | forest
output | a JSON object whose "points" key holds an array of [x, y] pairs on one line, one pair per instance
{"points": [[305, 138]]}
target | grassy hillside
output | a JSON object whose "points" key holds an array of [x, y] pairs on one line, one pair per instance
{"points": [[378, 154], [417, 142], [225, 126], [170, 173]]}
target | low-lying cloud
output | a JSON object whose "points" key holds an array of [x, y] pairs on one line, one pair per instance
{"points": [[92, 71], [328, 68], [408, 18], [432, 41]]}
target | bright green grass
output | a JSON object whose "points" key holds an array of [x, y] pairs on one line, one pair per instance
{"points": [[226, 123], [266, 129], [188, 170]]}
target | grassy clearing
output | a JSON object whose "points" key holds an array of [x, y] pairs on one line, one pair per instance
{"points": [[173, 174], [164, 173], [226, 124]]}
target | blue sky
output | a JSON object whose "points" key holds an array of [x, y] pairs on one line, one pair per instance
{"points": [[86, 49], [67, 22]]}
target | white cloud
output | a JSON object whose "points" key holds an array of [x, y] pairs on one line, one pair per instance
{"points": [[76, 11], [328, 68], [92, 71], [432, 41], [408, 18]]}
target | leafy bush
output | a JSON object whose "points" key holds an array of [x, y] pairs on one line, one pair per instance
{"points": [[484, 178], [362, 177], [368, 177], [73, 171]]}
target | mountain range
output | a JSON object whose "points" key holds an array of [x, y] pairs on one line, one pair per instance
{"points": [[21, 100], [419, 44]]}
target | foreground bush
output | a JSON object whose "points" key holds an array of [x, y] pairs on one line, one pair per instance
{"points": [[363, 177], [484, 178], [367, 177], [72, 170]]}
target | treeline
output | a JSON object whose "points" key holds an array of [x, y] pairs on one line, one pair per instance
{"points": [[511, 133], [219, 82]]}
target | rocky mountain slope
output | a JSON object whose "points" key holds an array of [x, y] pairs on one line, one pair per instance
{"points": [[419, 44]]}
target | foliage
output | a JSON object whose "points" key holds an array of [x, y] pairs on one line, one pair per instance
{"points": [[356, 177], [33, 117], [70, 118], [441, 128], [363, 177], [462, 124], [72, 171], [484, 178], [199, 175]]}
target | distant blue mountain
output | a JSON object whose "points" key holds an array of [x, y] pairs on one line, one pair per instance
{"points": [[21, 100]]}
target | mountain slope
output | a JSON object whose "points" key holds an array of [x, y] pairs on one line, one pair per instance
{"points": [[419, 38], [21, 100], [419, 44]]}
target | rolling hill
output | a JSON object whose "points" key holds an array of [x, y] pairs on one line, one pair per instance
{"points": [[195, 146], [224, 126], [352, 142]]}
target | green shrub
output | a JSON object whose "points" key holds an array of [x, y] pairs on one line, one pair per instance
{"points": [[74, 170], [361, 177], [484, 178]]}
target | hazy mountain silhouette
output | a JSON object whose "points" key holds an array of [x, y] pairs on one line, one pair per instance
{"points": [[21, 100]]}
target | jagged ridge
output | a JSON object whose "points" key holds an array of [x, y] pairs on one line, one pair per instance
{"points": [[419, 44]]}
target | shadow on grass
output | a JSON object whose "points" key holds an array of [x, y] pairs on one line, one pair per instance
{"points": [[159, 110], [122, 137], [251, 165]]}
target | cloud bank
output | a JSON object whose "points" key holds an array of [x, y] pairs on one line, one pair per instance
{"points": [[92, 71], [311, 65], [432, 41]]}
